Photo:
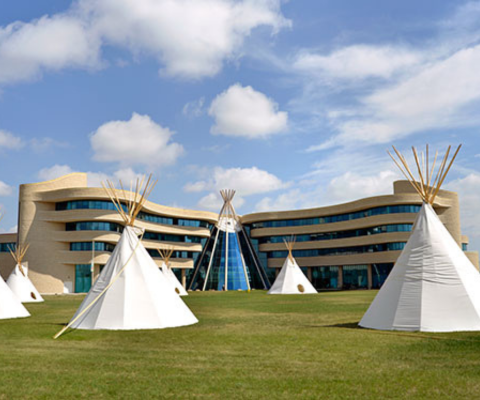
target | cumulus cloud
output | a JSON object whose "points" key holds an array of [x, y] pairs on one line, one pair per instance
{"points": [[242, 111], [9, 141], [468, 189], [246, 181], [136, 141], [285, 201], [56, 171], [190, 38], [48, 43], [214, 202], [352, 186], [194, 108], [5, 189], [357, 61], [95, 179]]}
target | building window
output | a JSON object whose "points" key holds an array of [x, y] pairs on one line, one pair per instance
{"points": [[108, 205], [325, 277], [398, 209], [312, 237], [355, 277], [93, 226], [465, 246], [83, 278], [87, 246], [373, 248], [176, 254], [380, 273], [5, 247]]}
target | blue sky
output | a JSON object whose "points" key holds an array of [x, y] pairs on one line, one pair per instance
{"points": [[291, 103]]}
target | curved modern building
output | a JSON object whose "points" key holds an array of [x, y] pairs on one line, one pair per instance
{"points": [[72, 230]]}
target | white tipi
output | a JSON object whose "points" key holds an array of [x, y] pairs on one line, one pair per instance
{"points": [[131, 292], [10, 305], [291, 279], [167, 271], [18, 281], [433, 286]]}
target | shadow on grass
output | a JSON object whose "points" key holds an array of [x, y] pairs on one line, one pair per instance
{"points": [[347, 325]]}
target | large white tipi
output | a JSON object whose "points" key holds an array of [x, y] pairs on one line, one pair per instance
{"points": [[433, 286], [131, 291], [291, 279], [18, 281], [167, 271]]}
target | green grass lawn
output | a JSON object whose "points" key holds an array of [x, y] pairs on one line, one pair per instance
{"points": [[246, 346]]}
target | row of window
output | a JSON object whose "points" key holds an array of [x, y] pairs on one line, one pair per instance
{"points": [[113, 227], [372, 248], [103, 246], [87, 246], [176, 254], [340, 234], [108, 205], [398, 209], [93, 226]]}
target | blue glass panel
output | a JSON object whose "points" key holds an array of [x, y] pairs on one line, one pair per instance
{"points": [[83, 278], [4, 247], [236, 273]]}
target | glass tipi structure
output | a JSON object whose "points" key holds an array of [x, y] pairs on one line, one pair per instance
{"points": [[228, 260]]}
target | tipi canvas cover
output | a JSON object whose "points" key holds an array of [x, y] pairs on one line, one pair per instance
{"points": [[10, 305], [22, 286], [136, 295], [291, 279], [433, 286], [168, 273], [131, 291]]}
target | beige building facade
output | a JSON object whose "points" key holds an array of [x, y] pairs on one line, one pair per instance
{"points": [[72, 230]]}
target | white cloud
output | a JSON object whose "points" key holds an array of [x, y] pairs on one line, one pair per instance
{"points": [[352, 186], [194, 108], [136, 141], [191, 38], [246, 181], [468, 189], [214, 202], [95, 179], [43, 144], [285, 201], [48, 43], [56, 171], [358, 61], [242, 111], [9, 141], [5, 189]]}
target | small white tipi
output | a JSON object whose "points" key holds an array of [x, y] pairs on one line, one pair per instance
{"points": [[433, 286], [167, 271], [18, 281], [10, 305], [291, 279], [131, 292]]}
